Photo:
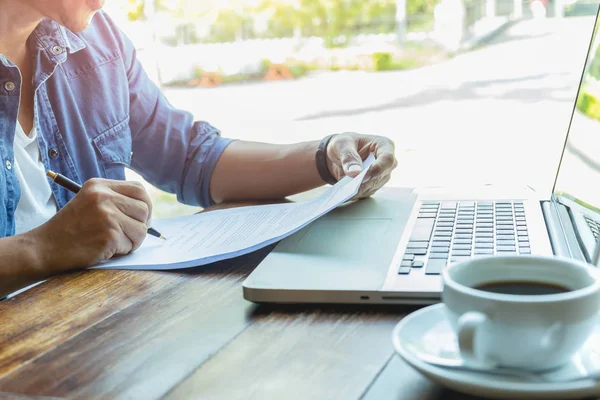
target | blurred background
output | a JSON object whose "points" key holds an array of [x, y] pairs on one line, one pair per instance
{"points": [[471, 91]]}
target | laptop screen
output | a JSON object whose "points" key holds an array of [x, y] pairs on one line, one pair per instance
{"points": [[577, 184]]}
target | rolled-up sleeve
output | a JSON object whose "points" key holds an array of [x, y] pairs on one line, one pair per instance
{"points": [[204, 151], [170, 149]]}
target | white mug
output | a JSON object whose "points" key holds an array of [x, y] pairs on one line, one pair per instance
{"points": [[533, 332]]}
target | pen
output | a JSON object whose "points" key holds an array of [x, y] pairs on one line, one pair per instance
{"points": [[75, 188]]}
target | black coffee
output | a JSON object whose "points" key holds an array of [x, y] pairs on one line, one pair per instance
{"points": [[522, 287]]}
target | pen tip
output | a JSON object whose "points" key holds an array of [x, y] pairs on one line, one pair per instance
{"points": [[51, 174], [162, 237]]}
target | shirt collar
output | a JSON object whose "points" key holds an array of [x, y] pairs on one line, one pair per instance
{"points": [[50, 34], [74, 42]]}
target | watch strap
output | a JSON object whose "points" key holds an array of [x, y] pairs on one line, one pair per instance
{"points": [[321, 158]]}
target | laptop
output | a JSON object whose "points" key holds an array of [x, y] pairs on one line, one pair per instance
{"points": [[391, 248]]}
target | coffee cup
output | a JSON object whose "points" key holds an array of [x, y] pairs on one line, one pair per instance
{"points": [[527, 312]]}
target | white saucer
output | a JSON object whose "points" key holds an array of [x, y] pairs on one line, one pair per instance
{"points": [[428, 331]]}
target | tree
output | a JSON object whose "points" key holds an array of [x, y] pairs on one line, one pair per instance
{"points": [[330, 19], [227, 26]]}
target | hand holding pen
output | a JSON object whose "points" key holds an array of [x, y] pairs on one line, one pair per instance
{"points": [[105, 219], [74, 187]]}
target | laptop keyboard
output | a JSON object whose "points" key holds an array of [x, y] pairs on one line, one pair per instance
{"points": [[594, 226], [447, 232]]}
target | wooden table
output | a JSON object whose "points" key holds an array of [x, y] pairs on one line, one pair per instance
{"points": [[190, 335]]}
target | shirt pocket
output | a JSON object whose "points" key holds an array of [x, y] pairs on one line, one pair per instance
{"points": [[114, 150], [95, 80]]}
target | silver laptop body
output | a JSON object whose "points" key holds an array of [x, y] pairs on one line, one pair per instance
{"points": [[392, 247]]}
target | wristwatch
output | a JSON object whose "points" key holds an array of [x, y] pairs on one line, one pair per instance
{"points": [[321, 158]]}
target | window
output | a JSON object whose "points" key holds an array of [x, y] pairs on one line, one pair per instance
{"points": [[472, 92]]}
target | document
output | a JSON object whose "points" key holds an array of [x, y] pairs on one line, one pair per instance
{"points": [[205, 238]]}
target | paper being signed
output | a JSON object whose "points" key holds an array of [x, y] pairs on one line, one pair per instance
{"points": [[209, 237]]}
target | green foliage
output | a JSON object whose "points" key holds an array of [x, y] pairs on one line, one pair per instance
{"points": [[589, 105], [135, 11], [594, 68], [588, 101], [330, 19], [406, 63], [264, 67], [298, 69], [420, 6], [226, 27], [387, 62], [382, 61]]}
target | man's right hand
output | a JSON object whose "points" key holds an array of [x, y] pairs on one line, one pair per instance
{"points": [[104, 219]]}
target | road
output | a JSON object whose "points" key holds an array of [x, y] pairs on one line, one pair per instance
{"points": [[498, 114]]}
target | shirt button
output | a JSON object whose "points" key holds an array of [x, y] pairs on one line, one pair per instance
{"points": [[8, 165], [10, 86], [57, 50], [53, 153]]}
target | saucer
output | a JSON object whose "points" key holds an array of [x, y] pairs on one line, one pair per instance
{"points": [[428, 331]]}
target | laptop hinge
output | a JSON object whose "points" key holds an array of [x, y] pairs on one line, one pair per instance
{"points": [[560, 230]]}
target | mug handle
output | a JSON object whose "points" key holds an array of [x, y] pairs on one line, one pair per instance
{"points": [[468, 325]]}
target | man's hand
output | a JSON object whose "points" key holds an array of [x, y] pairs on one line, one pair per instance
{"points": [[104, 219], [346, 151]]}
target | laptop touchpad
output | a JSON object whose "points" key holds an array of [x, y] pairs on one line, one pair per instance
{"points": [[343, 238], [333, 254], [350, 248]]}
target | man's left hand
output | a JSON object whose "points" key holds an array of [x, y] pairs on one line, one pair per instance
{"points": [[345, 155]]}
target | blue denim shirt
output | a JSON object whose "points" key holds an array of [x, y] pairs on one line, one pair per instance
{"points": [[97, 112]]}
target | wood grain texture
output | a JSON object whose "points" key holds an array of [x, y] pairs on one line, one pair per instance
{"points": [[298, 353], [189, 334], [148, 348], [399, 381], [13, 396], [35, 321]]}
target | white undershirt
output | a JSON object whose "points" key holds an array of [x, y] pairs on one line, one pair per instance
{"points": [[37, 204]]}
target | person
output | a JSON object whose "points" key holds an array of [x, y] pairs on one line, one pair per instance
{"points": [[75, 100]]}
